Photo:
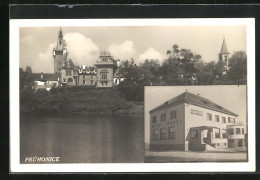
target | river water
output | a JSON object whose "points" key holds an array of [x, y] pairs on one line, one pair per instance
{"points": [[83, 139]]}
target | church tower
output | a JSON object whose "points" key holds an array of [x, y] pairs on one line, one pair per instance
{"points": [[60, 53], [224, 54]]}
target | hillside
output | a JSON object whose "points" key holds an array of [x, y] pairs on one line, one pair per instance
{"points": [[77, 100]]}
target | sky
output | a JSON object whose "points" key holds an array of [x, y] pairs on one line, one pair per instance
{"points": [[231, 97], [125, 42]]}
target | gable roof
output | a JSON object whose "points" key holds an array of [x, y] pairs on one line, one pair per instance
{"points": [[197, 100], [46, 77]]}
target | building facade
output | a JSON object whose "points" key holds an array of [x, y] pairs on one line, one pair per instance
{"points": [[106, 68], [68, 75], [45, 81], [87, 76], [190, 122], [103, 74]]}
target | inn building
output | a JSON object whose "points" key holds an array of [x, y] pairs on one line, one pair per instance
{"points": [[190, 122]]}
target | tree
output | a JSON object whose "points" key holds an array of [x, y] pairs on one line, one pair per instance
{"points": [[179, 61], [150, 69], [26, 79], [132, 87], [206, 72], [238, 67]]}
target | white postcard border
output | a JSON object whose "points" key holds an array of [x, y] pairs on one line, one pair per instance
{"points": [[15, 165]]}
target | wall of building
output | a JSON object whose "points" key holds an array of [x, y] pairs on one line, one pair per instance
{"points": [[237, 139], [45, 85], [64, 78], [110, 76], [177, 123], [196, 116], [88, 78]]}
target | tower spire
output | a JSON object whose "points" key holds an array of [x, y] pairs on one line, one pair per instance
{"points": [[60, 34], [224, 47]]}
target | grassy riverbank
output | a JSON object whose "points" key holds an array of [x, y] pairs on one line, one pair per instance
{"points": [[77, 100]]}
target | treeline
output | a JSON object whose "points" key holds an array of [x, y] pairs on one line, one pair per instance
{"points": [[180, 62]]}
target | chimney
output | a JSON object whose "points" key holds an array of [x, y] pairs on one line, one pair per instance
{"points": [[41, 75]]}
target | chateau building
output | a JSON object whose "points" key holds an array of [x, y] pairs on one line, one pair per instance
{"points": [[191, 122], [87, 76], [68, 75], [106, 68], [103, 74]]}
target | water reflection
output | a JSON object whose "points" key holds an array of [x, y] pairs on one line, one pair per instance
{"points": [[88, 139]]}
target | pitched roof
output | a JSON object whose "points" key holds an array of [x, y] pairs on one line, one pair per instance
{"points": [[224, 48], [46, 77], [69, 64], [195, 100]]}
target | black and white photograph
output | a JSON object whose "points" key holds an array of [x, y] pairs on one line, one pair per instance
{"points": [[196, 124], [125, 95]]}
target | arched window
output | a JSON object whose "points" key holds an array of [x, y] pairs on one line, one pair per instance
{"points": [[70, 80]]}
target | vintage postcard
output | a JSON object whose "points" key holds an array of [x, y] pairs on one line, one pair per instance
{"points": [[132, 95]]}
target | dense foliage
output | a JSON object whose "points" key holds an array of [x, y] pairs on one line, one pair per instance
{"points": [[180, 61], [72, 100]]}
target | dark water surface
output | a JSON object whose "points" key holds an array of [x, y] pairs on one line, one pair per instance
{"points": [[83, 139]]}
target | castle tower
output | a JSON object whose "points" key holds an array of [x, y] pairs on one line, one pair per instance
{"points": [[60, 53], [224, 54]]}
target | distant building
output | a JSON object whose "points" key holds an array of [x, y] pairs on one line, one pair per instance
{"points": [[103, 74], [68, 76], [191, 122], [224, 56], [60, 53], [45, 81], [87, 76], [106, 68]]}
